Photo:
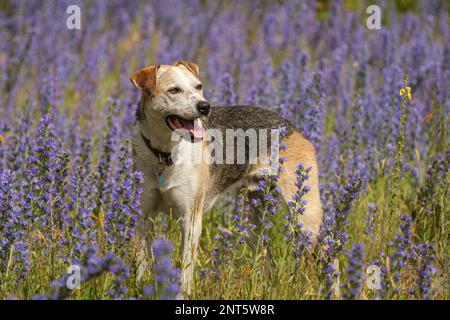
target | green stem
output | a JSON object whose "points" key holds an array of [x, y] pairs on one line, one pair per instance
{"points": [[395, 187]]}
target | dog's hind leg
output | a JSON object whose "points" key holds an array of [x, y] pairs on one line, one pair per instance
{"points": [[299, 150]]}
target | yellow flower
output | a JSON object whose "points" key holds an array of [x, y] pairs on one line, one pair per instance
{"points": [[2, 139], [407, 91]]}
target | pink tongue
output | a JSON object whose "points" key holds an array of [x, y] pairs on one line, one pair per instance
{"points": [[194, 127]]}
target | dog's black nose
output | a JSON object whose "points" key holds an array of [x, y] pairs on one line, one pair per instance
{"points": [[204, 107]]}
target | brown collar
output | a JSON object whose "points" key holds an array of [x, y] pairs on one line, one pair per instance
{"points": [[164, 157]]}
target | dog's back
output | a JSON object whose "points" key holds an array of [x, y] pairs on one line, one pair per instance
{"points": [[239, 118], [299, 150], [244, 117]]}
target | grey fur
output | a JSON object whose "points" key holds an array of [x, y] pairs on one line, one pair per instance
{"points": [[238, 117]]}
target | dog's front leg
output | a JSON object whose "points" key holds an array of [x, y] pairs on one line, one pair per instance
{"points": [[192, 229], [144, 238], [145, 229]]}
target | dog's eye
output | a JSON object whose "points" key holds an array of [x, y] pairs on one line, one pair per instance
{"points": [[174, 90], [199, 87]]}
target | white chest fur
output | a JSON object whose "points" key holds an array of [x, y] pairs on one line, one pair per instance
{"points": [[183, 173]]}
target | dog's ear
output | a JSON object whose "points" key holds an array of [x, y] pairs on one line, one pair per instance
{"points": [[192, 67], [146, 80]]}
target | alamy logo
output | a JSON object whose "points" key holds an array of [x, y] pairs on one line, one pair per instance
{"points": [[373, 277], [73, 21], [74, 279], [374, 20], [231, 146]]}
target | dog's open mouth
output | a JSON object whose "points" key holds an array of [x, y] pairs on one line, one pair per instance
{"points": [[194, 127]]}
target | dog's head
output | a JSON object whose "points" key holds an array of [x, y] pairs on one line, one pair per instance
{"points": [[172, 95]]}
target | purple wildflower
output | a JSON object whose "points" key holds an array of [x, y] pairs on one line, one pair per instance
{"points": [[299, 239], [166, 276], [371, 219], [354, 272]]}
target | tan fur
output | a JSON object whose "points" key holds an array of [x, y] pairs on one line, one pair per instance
{"points": [[146, 80], [300, 150], [190, 66]]}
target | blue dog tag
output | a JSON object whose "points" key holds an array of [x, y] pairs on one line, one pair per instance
{"points": [[161, 179]]}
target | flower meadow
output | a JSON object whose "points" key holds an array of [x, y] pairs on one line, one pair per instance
{"points": [[375, 103]]}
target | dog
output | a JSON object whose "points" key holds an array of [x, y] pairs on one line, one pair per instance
{"points": [[172, 100]]}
